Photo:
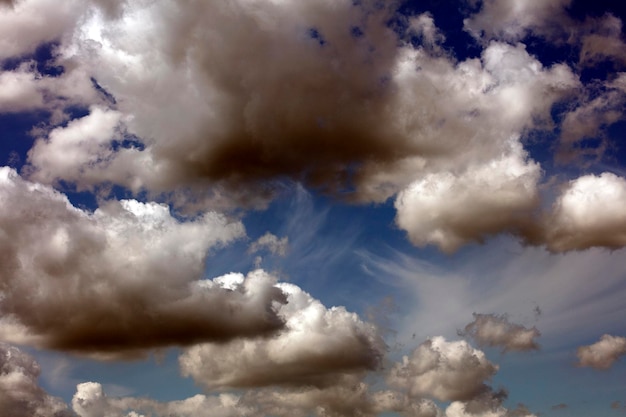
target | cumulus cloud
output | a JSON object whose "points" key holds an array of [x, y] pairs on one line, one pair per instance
{"points": [[493, 330], [377, 115], [589, 212], [90, 400], [353, 398], [450, 210], [20, 393], [447, 371], [602, 354], [317, 346], [124, 278]]}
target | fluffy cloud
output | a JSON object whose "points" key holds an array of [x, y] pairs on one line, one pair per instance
{"points": [[589, 212], [512, 20], [377, 116], [90, 400], [493, 330], [121, 279], [353, 398], [459, 409], [450, 210], [602, 354], [447, 371], [20, 394], [318, 346]]}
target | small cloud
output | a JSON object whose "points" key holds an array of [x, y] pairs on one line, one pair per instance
{"points": [[560, 406], [602, 354], [492, 330], [615, 405], [271, 243]]}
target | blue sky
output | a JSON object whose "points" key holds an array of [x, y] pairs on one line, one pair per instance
{"points": [[312, 208]]}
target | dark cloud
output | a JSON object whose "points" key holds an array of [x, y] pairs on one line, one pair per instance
{"points": [[493, 330], [119, 280]]}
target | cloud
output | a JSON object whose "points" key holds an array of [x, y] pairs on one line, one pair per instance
{"points": [[20, 393], [379, 112], [271, 243], [492, 330], [353, 398], [589, 212], [90, 400], [451, 210], [317, 346], [512, 20], [124, 278], [602, 354], [447, 371], [459, 409], [590, 119], [505, 275]]}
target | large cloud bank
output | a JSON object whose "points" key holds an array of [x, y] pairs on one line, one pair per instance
{"points": [[212, 105]]}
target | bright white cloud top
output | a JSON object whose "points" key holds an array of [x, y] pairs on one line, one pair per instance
{"points": [[457, 160]]}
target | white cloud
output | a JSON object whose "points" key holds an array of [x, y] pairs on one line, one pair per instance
{"points": [[447, 371], [589, 212], [90, 400], [451, 210], [602, 354], [512, 20], [459, 409], [317, 345]]}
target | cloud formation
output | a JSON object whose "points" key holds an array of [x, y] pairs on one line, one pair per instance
{"points": [[271, 243], [20, 393], [575, 223], [492, 330], [451, 210], [317, 346], [124, 278], [602, 354], [447, 371]]}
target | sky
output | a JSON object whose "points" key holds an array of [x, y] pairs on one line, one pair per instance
{"points": [[325, 208]]}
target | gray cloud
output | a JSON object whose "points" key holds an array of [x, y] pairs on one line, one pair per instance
{"points": [[493, 330], [119, 280], [271, 243], [602, 354], [20, 393]]}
